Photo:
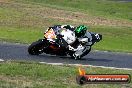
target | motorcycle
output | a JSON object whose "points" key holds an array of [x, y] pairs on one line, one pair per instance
{"points": [[55, 44]]}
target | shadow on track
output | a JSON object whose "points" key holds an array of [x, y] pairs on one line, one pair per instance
{"points": [[57, 58], [88, 59]]}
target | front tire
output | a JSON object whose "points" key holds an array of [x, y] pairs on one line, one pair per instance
{"points": [[37, 47]]}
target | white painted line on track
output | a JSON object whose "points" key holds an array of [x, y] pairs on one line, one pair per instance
{"points": [[52, 63], [86, 66], [1, 60]]}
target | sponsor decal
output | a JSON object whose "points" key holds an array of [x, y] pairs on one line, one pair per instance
{"points": [[84, 78]]}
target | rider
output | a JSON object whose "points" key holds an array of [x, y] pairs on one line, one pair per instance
{"points": [[80, 32]]}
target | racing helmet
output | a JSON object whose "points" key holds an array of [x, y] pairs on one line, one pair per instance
{"points": [[80, 30]]}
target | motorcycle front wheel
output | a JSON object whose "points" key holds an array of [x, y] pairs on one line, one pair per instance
{"points": [[37, 47]]}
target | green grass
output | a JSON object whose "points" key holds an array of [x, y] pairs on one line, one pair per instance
{"points": [[34, 75], [114, 39], [104, 8], [24, 21], [21, 35]]}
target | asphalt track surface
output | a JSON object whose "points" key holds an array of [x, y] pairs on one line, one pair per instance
{"points": [[10, 51]]}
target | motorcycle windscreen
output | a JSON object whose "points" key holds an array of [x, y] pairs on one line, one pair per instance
{"points": [[50, 34]]}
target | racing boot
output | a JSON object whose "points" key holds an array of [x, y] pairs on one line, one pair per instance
{"points": [[79, 51]]}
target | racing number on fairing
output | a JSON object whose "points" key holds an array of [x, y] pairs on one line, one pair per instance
{"points": [[68, 38]]}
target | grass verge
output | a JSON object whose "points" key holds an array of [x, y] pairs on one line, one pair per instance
{"points": [[104, 8], [22, 74], [26, 22]]}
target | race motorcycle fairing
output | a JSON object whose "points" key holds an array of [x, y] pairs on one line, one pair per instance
{"points": [[51, 43], [58, 44]]}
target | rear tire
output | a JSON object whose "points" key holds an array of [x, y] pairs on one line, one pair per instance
{"points": [[37, 47]]}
